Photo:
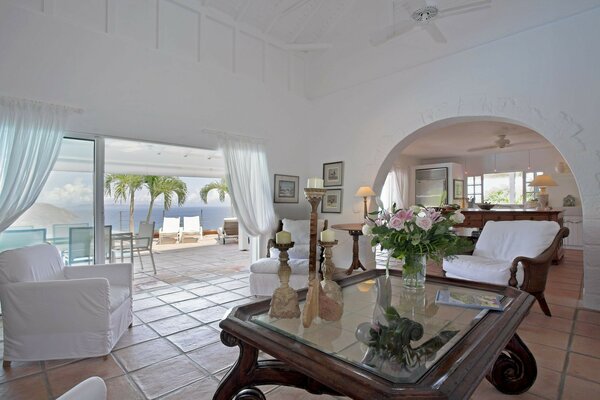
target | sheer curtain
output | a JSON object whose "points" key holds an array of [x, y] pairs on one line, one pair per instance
{"points": [[395, 188], [30, 137], [247, 176]]}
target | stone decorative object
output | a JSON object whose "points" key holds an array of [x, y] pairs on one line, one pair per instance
{"points": [[284, 303], [569, 201], [331, 300], [311, 307]]}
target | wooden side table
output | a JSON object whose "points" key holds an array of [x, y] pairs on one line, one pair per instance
{"points": [[355, 230]]}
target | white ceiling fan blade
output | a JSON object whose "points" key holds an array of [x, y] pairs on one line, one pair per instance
{"points": [[481, 148], [449, 14], [435, 33], [391, 32], [481, 3], [413, 5]]}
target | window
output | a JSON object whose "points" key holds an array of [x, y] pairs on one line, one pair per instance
{"points": [[531, 192], [474, 188], [503, 187]]}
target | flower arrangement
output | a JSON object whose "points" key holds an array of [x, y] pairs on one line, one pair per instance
{"points": [[414, 234]]}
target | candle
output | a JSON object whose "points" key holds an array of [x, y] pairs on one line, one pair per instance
{"points": [[283, 237], [315, 183], [328, 235]]}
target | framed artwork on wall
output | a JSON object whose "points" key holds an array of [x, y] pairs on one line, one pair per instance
{"points": [[333, 174], [332, 201], [459, 189], [286, 188]]}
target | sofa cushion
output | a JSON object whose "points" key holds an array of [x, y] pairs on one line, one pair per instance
{"points": [[31, 264], [298, 252], [271, 266], [505, 240], [481, 269]]}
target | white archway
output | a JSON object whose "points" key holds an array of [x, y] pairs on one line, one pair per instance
{"points": [[559, 129]]}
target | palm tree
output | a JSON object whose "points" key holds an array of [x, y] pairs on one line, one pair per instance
{"points": [[124, 187], [167, 186], [221, 186]]}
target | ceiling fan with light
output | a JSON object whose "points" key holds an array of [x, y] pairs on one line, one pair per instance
{"points": [[422, 15], [501, 143]]}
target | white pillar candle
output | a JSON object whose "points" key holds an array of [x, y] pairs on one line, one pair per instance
{"points": [[328, 235], [315, 183], [283, 237]]}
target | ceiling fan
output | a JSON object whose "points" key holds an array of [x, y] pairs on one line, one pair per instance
{"points": [[421, 15], [501, 143]]}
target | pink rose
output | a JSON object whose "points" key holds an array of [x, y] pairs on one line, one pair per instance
{"points": [[424, 223], [396, 223]]}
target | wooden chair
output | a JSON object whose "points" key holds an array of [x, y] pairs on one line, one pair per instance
{"points": [[517, 253], [229, 229]]}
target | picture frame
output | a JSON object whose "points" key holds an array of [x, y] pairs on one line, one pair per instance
{"points": [[332, 201], [286, 188], [459, 189], [333, 174]]}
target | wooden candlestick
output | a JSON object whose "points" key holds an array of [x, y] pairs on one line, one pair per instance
{"points": [[311, 307], [331, 302], [284, 303]]}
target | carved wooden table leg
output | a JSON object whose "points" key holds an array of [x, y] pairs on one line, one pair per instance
{"points": [[247, 373], [515, 370], [356, 264]]}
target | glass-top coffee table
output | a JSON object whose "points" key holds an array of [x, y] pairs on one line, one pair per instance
{"points": [[391, 342]]}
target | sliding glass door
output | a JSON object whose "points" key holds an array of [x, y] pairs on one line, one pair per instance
{"points": [[65, 212]]}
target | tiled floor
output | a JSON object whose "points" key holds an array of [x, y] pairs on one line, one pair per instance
{"points": [[173, 351]]}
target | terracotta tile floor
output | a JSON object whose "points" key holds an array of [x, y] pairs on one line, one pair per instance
{"points": [[174, 352]]}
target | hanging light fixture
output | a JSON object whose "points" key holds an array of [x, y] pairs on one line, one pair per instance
{"points": [[529, 162], [495, 170], [466, 171]]}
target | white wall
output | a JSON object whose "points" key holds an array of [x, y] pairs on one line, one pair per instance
{"points": [[544, 78], [130, 88]]}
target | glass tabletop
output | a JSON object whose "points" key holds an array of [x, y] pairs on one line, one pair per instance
{"points": [[396, 333]]}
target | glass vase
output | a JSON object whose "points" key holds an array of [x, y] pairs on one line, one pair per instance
{"points": [[413, 271]]}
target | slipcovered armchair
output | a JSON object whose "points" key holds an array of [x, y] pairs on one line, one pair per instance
{"points": [[263, 272], [514, 253], [57, 312]]}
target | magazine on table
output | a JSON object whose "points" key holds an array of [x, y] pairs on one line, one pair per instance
{"points": [[469, 299]]}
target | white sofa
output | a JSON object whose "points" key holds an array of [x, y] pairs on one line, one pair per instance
{"points": [[515, 253], [263, 273], [57, 312]]}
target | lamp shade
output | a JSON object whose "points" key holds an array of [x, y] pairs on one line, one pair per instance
{"points": [[543, 180], [365, 191]]}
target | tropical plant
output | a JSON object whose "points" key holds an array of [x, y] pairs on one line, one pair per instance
{"points": [[220, 186], [124, 187], [167, 186]]}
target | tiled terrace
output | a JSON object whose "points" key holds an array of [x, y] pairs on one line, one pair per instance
{"points": [[173, 351]]}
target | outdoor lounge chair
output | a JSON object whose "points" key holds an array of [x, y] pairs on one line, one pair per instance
{"points": [[169, 230], [228, 230], [514, 253], [191, 229]]}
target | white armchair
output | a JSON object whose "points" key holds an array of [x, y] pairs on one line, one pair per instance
{"points": [[514, 253], [57, 312], [263, 272], [92, 388]]}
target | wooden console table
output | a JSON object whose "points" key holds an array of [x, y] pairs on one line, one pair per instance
{"points": [[476, 218], [465, 345]]}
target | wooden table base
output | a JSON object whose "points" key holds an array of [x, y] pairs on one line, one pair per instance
{"points": [[514, 372], [356, 264]]}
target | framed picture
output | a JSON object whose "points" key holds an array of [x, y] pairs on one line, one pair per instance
{"points": [[332, 201], [333, 174], [459, 189], [286, 188]]}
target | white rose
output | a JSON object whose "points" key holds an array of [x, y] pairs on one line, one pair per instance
{"points": [[457, 217], [367, 230]]}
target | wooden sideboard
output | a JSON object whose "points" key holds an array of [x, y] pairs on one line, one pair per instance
{"points": [[476, 218]]}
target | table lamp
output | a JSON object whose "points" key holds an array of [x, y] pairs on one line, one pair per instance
{"points": [[543, 181], [364, 192]]}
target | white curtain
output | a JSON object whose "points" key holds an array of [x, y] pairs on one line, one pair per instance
{"points": [[30, 137], [395, 188], [247, 176]]}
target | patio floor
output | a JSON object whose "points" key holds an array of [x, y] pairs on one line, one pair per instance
{"points": [[174, 352]]}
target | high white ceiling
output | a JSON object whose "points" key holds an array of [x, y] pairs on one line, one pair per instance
{"points": [[456, 140], [339, 31]]}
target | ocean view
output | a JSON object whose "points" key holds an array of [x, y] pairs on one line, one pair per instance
{"points": [[117, 215]]}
